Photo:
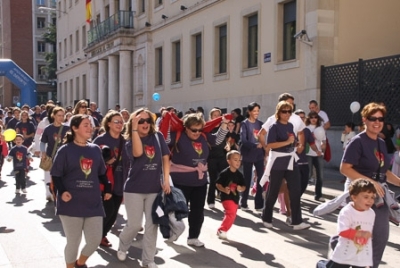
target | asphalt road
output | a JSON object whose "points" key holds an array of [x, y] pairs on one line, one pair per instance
{"points": [[31, 236]]}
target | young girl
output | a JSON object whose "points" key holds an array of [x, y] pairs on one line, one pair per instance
{"points": [[355, 223]]}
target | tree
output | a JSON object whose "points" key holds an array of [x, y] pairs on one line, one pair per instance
{"points": [[50, 37]]}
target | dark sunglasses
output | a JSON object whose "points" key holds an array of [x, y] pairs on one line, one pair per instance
{"points": [[117, 122], [373, 119], [142, 121], [286, 111], [313, 117], [196, 130]]}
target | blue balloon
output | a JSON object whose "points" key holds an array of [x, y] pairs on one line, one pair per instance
{"points": [[156, 97], [18, 104]]}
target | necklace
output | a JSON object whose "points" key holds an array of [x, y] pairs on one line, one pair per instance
{"points": [[79, 142]]}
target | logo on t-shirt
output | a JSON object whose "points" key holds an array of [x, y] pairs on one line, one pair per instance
{"points": [[255, 134], [86, 165], [149, 151], [19, 156], [380, 157], [57, 138], [232, 187], [197, 147]]}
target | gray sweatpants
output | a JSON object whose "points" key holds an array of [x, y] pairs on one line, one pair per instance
{"points": [[136, 205], [92, 228]]}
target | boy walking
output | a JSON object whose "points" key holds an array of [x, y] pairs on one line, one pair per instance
{"points": [[19, 154], [230, 182], [355, 223]]}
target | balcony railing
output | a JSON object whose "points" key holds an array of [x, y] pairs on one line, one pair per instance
{"points": [[121, 19]]}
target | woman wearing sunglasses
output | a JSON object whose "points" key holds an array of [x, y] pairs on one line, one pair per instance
{"points": [[281, 165], [145, 154], [191, 149], [366, 157], [113, 125], [315, 124], [81, 108]]}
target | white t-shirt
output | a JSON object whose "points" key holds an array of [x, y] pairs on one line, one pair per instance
{"points": [[324, 117], [346, 251], [297, 122], [346, 138], [318, 142]]}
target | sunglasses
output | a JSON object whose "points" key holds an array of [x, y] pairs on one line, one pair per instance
{"points": [[117, 122], [286, 111], [313, 117], [373, 119], [143, 120], [196, 130]]}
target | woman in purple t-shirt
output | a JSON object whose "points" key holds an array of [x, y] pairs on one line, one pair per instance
{"points": [[26, 128], [78, 169], [366, 157], [143, 184]]}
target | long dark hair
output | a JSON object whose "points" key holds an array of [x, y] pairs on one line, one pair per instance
{"points": [[76, 120]]}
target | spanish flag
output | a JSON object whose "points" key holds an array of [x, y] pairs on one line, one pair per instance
{"points": [[88, 11]]}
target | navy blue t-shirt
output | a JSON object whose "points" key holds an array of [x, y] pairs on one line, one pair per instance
{"points": [[279, 132], [309, 140], [79, 169], [27, 129], [50, 135], [19, 155], [249, 140], [365, 154]]}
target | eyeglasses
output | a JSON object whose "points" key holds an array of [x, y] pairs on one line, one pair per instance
{"points": [[143, 120], [83, 107], [286, 111], [117, 122], [373, 119], [196, 130], [313, 117]]}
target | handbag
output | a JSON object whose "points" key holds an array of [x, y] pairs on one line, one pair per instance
{"points": [[162, 166], [47, 162]]}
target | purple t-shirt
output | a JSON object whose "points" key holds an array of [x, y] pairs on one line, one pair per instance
{"points": [[279, 132], [28, 128], [309, 140], [364, 154], [114, 144], [145, 171], [79, 168], [19, 155], [190, 153], [249, 140], [50, 135]]}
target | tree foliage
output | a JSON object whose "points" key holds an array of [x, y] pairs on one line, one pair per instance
{"points": [[50, 37]]}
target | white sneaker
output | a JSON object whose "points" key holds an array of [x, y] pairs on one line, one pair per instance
{"points": [[289, 221], [151, 265], [267, 224], [24, 191], [301, 226], [320, 199], [172, 238], [195, 242], [222, 235], [259, 209], [212, 205], [121, 255], [17, 191]]}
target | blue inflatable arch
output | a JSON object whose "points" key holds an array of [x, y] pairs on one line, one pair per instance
{"points": [[21, 79]]}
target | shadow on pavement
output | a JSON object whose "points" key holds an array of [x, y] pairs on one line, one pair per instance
{"points": [[19, 200], [48, 213], [5, 230]]}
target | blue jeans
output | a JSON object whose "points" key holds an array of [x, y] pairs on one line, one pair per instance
{"points": [[318, 163]]}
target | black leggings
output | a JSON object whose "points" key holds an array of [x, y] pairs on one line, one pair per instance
{"points": [[111, 208]]}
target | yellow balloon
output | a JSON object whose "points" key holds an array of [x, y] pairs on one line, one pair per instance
{"points": [[9, 134]]}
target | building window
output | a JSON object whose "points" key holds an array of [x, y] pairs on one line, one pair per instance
{"points": [[40, 2], [159, 67], [222, 49], [41, 72], [176, 61], [65, 48], [53, 3], [41, 23], [70, 44], [77, 40], [54, 21], [197, 56], [84, 93], [59, 8], [142, 6], [252, 41], [289, 30], [59, 51], [83, 36], [158, 3], [41, 46]]}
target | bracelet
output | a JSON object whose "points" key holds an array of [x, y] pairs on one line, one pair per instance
{"points": [[133, 130]]}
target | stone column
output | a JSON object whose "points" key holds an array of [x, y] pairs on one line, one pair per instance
{"points": [[123, 5], [125, 80], [103, 86], [93, 82], [113, 81]]}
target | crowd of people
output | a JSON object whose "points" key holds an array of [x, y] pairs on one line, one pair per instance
{"points": [[101, 161]]}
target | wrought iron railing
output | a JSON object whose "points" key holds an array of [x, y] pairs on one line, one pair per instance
{"points": [[365, 81], [121, 19]]}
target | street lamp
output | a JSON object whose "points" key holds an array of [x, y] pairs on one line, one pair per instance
{"points": [[51, 9]]}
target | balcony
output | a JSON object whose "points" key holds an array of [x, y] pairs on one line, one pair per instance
{"points": [[121, 19]]}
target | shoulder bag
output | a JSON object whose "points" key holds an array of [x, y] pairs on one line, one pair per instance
{"points": [[47, 162]]}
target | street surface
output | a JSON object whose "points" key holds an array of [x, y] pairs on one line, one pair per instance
{"points": [[31, 236]]}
